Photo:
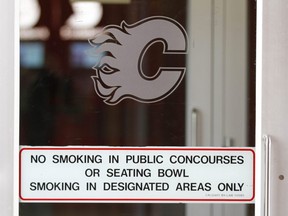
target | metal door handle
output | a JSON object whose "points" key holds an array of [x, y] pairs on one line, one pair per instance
{"points": [[267, 149], [194, 133]]}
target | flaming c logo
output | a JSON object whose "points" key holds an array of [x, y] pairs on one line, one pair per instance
{"points": [[119, 54]]}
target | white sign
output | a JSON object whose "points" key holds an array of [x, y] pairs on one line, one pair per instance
{"points": [[137, 174]]}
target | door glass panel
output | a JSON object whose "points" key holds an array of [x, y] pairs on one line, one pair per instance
{"points": [[67, 97]]}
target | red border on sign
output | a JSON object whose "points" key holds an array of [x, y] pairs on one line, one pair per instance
{"points": [[139, 199]]}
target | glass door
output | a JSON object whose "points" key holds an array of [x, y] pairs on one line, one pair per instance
{"points": [[136, 73]]}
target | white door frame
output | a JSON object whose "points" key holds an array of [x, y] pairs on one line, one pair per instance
{"points": [[9, 74], [271, 121], [272, 115]]}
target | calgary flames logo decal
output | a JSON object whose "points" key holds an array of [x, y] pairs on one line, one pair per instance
{"points": [[119, 52]]}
